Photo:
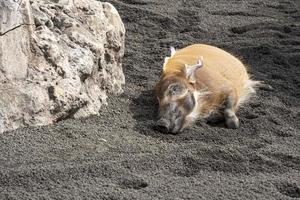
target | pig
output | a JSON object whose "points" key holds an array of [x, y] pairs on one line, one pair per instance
{"points": [[198, 80]]}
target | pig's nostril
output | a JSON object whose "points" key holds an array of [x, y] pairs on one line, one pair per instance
{"points": [[163, 125], [163, 129]]}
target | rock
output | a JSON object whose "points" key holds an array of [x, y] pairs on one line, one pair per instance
{"points": [[58, 59]]}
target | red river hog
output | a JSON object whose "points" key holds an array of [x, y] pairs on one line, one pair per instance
{"points": [[198, 80]]}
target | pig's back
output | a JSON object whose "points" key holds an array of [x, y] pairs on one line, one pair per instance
{"points": [[220, 68]]}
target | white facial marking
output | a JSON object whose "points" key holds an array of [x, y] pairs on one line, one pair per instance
{"points": [[194, 114], [197, 95]]}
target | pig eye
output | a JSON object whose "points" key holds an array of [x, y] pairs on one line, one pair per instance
{"points": [[175, 89]]}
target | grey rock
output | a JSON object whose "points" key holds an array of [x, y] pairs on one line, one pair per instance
{"points": [[58, 59]]}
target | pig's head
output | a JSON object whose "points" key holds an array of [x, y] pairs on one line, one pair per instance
{"points": [[177, 99]]}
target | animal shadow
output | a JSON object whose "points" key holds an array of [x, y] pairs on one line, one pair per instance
{"points": [[144, 108]]}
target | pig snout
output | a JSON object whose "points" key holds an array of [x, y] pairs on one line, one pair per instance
{"points": [[163, 125], [167, 126], [171, 118]]}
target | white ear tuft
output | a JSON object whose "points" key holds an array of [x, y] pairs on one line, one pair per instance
{"points": [[166, 60], [201, 93], [200, 61], [173, 51], [191, 69]]}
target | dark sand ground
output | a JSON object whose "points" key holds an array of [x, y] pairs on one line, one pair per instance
{"points": [[118, 155]]}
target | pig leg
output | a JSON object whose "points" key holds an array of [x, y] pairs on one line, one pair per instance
{"points": [[231, 119]]}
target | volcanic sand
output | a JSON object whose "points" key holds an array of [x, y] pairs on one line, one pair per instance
{"points": [[120, 155]]}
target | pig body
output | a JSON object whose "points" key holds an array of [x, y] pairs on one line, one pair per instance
{"points": [[200, 79]]}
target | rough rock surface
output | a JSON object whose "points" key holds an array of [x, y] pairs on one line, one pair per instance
{"points": [[58, 59]]}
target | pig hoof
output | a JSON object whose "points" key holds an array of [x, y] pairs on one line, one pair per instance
{"points": [[232, 122]]}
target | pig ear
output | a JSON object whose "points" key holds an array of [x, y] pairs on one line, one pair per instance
{"points": [[173, 51], [166, 60], [190, 70]]}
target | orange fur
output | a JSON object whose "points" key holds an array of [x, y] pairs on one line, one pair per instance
{"points": [[222, 75]]}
